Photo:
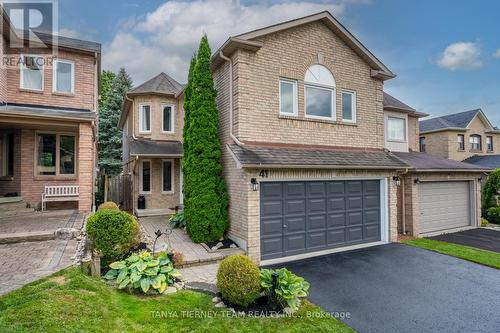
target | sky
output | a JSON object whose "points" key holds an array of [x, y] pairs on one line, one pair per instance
{"points": [[445, 53]]}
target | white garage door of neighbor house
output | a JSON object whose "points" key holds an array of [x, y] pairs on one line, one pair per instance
{"points": [[444, 205]]}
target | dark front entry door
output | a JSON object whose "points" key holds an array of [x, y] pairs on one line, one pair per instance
{"points": [[299, 217]]}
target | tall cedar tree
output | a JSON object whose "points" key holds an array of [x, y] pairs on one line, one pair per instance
{"points": [[205, 210], [187, 100], [110, 135]]}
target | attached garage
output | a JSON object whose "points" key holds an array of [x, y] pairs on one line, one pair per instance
{"points": [[298, 217], [445, 205]]}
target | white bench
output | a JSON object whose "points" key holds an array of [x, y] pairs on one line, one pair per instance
{"points": [[60, 193]]}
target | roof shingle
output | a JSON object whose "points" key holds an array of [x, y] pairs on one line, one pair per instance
{"points": [[485, 161], [160, 84], [427, 162], [456, 120], [394, 103], [155, 148]]}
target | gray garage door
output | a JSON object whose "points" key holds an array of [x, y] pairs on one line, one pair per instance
{"points": [[444, 205], [300, 217]]}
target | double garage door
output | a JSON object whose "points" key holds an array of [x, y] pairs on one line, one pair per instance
{"points": [[307, 216], [444, 206]]}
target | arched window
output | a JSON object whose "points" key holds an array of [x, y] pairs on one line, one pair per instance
{"points": [[475, 142], [319, 93]]}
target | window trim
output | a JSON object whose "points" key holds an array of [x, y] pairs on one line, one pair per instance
{"points": [[490, 137], [172, 175], [295, 97], [353, 106], [333, 105], [172, 118], [141, 176], [480, 143], [54, 76], [21, 72], [140, 117], [420, 145], [405, 126], [58, 155]]}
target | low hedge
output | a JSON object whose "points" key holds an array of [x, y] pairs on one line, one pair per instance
{"points": [[494, 215]]}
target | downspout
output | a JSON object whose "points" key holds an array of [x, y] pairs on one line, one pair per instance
{"points": [[403, 205], [231, 135]]}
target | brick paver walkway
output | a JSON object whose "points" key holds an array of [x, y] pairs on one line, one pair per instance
{"points": [[22, 263]]}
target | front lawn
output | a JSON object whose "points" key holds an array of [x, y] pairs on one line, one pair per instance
{"points": [[70, 301], [473, 254]]}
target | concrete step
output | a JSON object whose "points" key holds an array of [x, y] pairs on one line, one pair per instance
{"points": [[19, 237], [16, 212]]}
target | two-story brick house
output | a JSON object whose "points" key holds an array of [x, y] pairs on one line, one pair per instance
{"points": [[317, 157], [466, 136], [48, 102], [152, 121]]}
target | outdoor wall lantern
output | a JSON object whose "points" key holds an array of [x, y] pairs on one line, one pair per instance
{"points": [[255, 184], [397, 180], [416, 181]]}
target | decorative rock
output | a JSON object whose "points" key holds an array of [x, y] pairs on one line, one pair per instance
{"points": [[66, 233], [214, 248], [170, 290], [233, 246], [216, 299], [220, 305], [179, 285], [219, 245]]}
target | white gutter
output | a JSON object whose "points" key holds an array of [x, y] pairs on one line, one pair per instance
{"points": [[231, 135]]}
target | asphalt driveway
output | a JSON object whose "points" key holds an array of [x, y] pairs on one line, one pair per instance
{"points": [[481, 238], [398, 288]]}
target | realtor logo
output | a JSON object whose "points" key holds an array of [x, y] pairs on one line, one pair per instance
{"points": [[31, 24]]}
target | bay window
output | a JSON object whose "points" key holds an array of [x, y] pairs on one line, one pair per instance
{"points": [[167, 118], [31, 74], [461, 142], [56, 154], [396, 129], [145, 118]]}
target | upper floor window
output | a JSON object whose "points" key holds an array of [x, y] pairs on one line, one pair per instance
{"points": [[396, 129], [349, 106], [168, 118], [31, 76], [422, 144], [64, 76], [145, 118], [460, 142], [288, 97], [489, 143], [475, 142], [55, 154], [319, 93]]}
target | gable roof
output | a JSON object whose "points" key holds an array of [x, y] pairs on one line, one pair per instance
{"points": [[455, 121], [379, 70], [160, 84], [485, 161], [391, 102]]}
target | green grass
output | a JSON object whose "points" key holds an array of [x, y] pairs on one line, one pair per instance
{"points": [[70, 301], [483, 257]]}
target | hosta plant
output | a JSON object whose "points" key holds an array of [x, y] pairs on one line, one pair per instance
{"points": [[283, 287], [177, 220], [143, 271]]}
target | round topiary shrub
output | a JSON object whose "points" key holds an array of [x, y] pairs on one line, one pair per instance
{"points": [[238, 280], [112, 232], [494, 215], [108, 205]]}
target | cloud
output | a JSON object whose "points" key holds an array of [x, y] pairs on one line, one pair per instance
{"points": [[497, 54], [459, 56], [165, 39]]}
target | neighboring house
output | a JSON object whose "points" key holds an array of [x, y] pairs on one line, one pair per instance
{"points": [[152, 120], [48, 118], [466, 136], [307, 131]]}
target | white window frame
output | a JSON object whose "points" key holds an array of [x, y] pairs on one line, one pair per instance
{"points": [[295, 97], [54, 76], [172, 174], [353, 106], [489, 142], [21, 72], [172, 118], [405, 126], [140, 117], [141, 179], [334, 101]]}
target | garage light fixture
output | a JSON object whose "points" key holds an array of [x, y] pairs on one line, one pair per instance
{"points": [[397, 180], [416, 181], [255, 184]]}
